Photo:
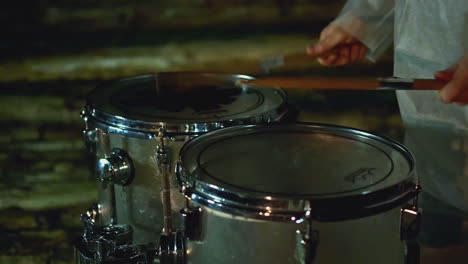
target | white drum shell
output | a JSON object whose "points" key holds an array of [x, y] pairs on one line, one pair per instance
{"points": [[230, 239]]}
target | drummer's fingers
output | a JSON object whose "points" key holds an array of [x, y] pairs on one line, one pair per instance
{"points": [[328, 59], [344, 57], [462, 100], [457, 88], [446, 75], [330, 38], [362, 52], [355, 51]]}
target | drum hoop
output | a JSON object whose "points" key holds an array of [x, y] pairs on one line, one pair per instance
{"points": [[285, 208], [149, 129]]}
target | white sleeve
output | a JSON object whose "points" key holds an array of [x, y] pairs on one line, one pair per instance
{"points": [[370, 21]]}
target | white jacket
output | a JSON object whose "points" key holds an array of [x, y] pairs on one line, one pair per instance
{"points": [[428, 36]]}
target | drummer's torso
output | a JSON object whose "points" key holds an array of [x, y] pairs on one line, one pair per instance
{"points": [[430, 36]]}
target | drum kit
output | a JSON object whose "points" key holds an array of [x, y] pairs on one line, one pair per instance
{"points": [[222, 174]]}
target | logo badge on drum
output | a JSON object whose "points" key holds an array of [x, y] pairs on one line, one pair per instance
{"points": [[361, 174]]}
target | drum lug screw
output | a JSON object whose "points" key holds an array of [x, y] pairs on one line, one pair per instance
{"points": [[90, 139]]}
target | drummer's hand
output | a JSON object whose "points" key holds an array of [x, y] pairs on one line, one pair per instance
{"points": [[456, 89], [337, 47]]}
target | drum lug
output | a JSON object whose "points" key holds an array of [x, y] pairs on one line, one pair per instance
{"points": [[89, 134], [90, 139], [409, 229], [307, 239], [410, 219], [115, 169], [409, 223], [192, 223], [307, 242], [171, 248]]}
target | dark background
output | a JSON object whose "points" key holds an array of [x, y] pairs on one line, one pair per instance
{"points": [[55, 51]]}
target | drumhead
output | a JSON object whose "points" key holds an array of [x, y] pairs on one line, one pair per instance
{"points": [[321, 164], [209, 100]]}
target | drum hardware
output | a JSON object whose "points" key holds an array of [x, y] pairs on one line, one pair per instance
{"points": [[171, 248], [107, 244], [104, 169], [411, 218], [90, 139], [409, 228], [307, 239], [162, 155], [117, 169], [89, 134], [192, 222], [171, 243]]}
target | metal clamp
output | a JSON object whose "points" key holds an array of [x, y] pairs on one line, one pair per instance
{"points": [[172, 248], [192, 223], [164, 165], [107, 244], [89, 220], [410, 223], [115, 169], [307, 240]]}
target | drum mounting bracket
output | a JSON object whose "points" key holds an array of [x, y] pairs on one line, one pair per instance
{"points": [[115, 169]]}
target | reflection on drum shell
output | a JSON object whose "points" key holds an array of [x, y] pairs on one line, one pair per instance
{"points": [[230, 239], [139, 204], [346, 186], [129, 114]]}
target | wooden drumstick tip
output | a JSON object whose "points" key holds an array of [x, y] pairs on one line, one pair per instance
{"points": [[241, 82]]}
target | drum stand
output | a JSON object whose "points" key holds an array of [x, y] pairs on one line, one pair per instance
{"points": [[171, 243], [109, 244]]}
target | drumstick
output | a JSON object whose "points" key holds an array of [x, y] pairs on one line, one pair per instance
{"points": [[269, 63], [310, 83]]}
